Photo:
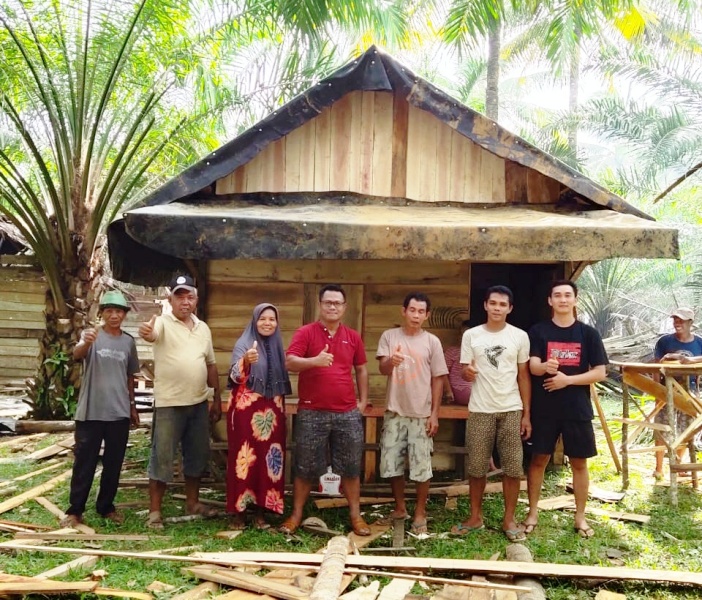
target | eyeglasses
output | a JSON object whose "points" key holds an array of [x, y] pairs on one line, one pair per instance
{"points": [[330, 304]]}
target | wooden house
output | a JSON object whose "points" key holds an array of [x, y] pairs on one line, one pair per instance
{"points": [[376, 179]]}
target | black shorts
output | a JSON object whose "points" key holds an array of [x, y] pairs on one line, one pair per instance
{"points": [[578, 437]]}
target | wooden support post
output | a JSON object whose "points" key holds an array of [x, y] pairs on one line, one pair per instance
{"points": [[369, 460], [670, 437], [603, 420], [625, 434], [398, 532]]}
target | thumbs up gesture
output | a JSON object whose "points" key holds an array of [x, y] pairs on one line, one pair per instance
{"points": [[88, 336], [324, 358], [551, 365], [469, 372], [397, 357], [251, 355], [146, 329]]}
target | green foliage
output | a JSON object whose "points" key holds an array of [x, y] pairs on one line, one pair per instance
{"points": [[53, 399]]}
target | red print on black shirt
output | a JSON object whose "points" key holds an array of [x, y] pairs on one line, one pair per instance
{"points": [[567, 353]]}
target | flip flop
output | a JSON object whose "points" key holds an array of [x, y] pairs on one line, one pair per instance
{"points": [[528, 527], [360, 527], [154, 520], [289, 526], [514, 535], [585, 532], [462, 529], [419, 528]]}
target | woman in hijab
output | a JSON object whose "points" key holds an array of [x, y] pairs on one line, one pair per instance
{"points": [[256, 419]]}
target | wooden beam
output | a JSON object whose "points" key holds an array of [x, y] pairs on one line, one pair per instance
{"points": [[59, 514], [78, 564], [16, 501]]}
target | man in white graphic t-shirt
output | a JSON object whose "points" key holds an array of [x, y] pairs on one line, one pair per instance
{"points": [[495, 357]]}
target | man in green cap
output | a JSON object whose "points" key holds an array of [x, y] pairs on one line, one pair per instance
{"points": [[106, 409]]}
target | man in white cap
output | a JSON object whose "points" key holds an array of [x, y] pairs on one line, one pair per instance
{"points": [[185, 370], [676, 346]]}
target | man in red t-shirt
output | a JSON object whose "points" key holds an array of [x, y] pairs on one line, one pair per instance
{"points": [[329, 418]]}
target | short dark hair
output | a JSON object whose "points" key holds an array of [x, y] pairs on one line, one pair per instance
{"points": [[503, 290], [560, 282], [419, 297], [332, 287]]}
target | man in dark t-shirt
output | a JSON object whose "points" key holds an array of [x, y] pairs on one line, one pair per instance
{"points": [[566, 356]]}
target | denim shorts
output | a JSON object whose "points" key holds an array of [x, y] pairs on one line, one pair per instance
{"points": [[322, 438], [187, 426]]}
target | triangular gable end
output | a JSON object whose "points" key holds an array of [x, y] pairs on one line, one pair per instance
{"points": [[329, 132]]}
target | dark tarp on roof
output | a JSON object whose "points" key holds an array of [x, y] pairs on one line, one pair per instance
{"points": [[372, 71]]}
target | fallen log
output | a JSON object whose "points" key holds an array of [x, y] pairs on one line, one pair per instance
{"points": [[328, 583], [520, 553]]}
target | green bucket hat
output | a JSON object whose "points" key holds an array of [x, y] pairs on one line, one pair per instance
{"points": [[114, 299]]}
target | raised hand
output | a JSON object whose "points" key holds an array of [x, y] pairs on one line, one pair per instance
{"points": [[146, 329], [397, 357], [88, 336], [324, 358], [469, 372], [551, 365], [251, 355]]}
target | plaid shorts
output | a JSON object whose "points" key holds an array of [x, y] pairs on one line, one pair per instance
{"points": [[322, 438]]}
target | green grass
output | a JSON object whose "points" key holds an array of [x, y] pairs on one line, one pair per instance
{"points": [[643, 547]]}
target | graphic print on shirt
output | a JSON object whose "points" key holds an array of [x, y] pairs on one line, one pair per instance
{"points": [[566, 353], [110, 353], [493, 353]]}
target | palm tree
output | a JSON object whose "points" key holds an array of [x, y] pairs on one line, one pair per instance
{"points": [[101, 100]]}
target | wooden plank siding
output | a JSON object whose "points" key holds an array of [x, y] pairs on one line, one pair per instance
{"points": [[374, 143], [374, 295]]}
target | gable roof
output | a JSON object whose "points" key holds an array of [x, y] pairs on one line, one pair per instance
{"points": [[375, 70], [186, 220]]}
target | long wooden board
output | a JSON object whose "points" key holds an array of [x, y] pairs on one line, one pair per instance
{"points": [[20, 499], [478, 566]]}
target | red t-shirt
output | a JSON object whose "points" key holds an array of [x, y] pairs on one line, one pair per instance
{"points": [[328, 388]]}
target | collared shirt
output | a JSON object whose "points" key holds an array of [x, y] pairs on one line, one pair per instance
{"points": [[328, 388], [181, 357]]}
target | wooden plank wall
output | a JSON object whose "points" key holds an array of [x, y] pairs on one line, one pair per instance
{"points": [[375, 290], [21, 320], [377, 144]]}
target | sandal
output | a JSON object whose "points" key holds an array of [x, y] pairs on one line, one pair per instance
{"points": [[359, 526], [154, 520], [289, 526], [514, 535], [71, 521], [463, 529], [585, 532], [116, 517], [418, 528], [528, 527]]}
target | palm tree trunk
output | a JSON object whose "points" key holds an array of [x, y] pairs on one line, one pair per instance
{"points": [[492, 98], [573, 96]]}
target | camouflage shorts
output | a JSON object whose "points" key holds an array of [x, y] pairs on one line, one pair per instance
{"points": [[405, 439]]}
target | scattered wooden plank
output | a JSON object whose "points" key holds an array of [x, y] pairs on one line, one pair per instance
{"points": [[324, 503], [111, 592], [607, 595], [52, 450], [31, 474], [494, 487], [86, 537], [199, 592], [617, 515], [19, 584], [396, 589], [243, 595], [77, 564], [206, 501], [158, 587], [480, 566], [15, 501], [599, 493], [252, 583], [368, 592], [56, 511]]}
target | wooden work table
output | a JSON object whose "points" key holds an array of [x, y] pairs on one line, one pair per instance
{"points": [[666, 395]]}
